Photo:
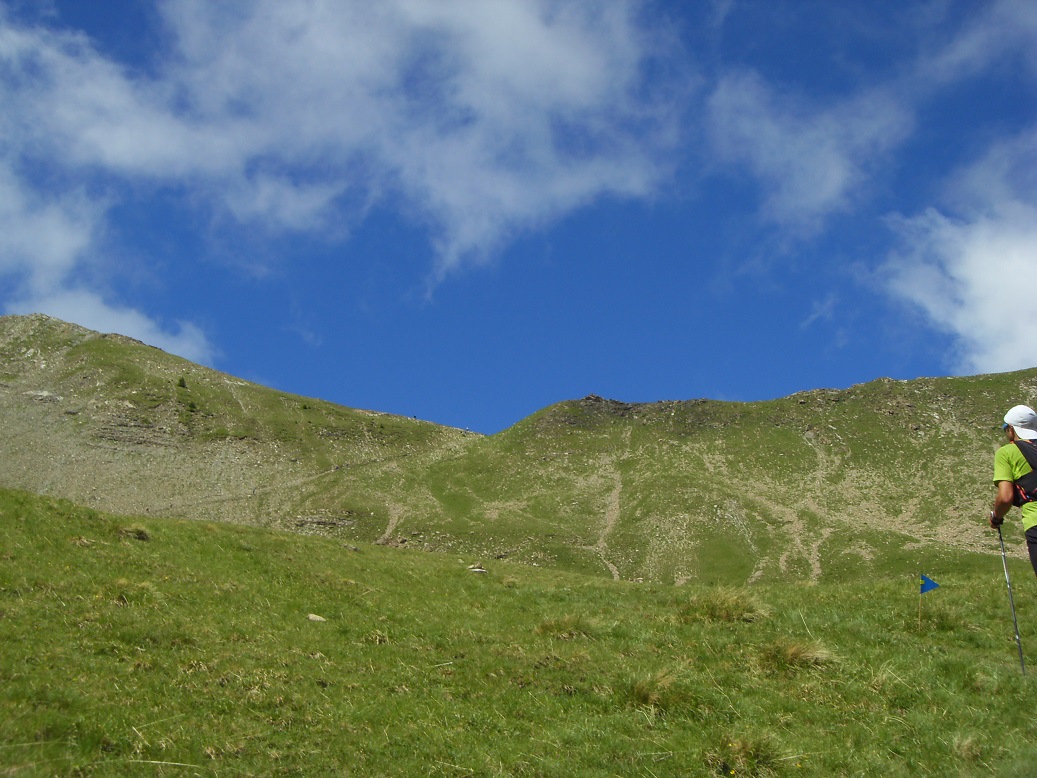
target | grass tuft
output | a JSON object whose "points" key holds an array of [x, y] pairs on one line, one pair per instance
{"points": [[662, 692], [725, 604], [786, 655], [969, 749], [750, 756]]}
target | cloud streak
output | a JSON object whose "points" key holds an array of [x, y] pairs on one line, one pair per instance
{"points": [[1000, 31]]}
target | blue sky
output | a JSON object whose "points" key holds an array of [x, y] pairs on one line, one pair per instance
{"points": [[467, 210]]}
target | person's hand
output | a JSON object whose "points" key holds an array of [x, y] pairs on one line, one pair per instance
{"points": [[996, 522]]}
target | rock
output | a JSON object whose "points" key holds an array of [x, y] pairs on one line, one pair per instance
{"points": [[42, 395], [315, 617]]}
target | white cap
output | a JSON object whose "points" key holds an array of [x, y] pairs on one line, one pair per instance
{"points": [[1024, 420]]}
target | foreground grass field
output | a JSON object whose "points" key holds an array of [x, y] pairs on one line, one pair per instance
{"points": [[136, 646]]}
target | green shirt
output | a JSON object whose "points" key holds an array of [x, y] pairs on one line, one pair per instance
{"points": [[1010, 465]]}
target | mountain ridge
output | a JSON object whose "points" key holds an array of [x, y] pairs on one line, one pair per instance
{"points": [[821, 483]]}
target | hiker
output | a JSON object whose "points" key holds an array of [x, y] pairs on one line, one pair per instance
{"points": [[1015, 474]]}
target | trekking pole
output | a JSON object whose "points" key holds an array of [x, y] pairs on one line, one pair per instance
{"points": [[1011, 601]]}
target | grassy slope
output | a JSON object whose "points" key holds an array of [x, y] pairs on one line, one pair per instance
{"points": [[815, 486], [153, 646], [113, 423], [818, 486]]}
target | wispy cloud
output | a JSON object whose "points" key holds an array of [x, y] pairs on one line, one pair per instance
{"points": [[70, 118], [811, 160], [812, 157], [962, 261], [478, 120], [1002, 31], [483, 119], [821, 310], [42, 237]]}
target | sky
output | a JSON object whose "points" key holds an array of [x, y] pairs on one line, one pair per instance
{"points": [[464, 211]]}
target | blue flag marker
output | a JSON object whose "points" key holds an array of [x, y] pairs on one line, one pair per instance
{"points": [[928, 584]]}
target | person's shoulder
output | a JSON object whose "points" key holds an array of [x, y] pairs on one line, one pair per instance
{"points": [[1006, 451]]}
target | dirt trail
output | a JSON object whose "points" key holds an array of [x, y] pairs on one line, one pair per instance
{"points": [[395, 514], [612, 506], [233, 386], [611, 519], [804, 542]]}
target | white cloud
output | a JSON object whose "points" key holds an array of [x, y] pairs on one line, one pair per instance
{"points": [[43, 245], [968, 264], [66, 108], [481, 120], [810, 160], [972, 274], [484, 118], [821, 310], [275, 200], [42, 238], [64, 102]]}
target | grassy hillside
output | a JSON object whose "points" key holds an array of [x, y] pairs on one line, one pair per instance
{"points": [[108, 421], [144, 646], [820, 486]]}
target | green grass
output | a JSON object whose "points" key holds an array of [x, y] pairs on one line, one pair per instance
{"points": [[138, 646]]}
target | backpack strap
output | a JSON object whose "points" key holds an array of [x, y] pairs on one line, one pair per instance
{"points": [[1026, 487]]}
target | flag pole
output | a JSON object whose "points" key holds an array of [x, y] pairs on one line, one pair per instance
{"points": [[927, 584], [919, 603]]}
